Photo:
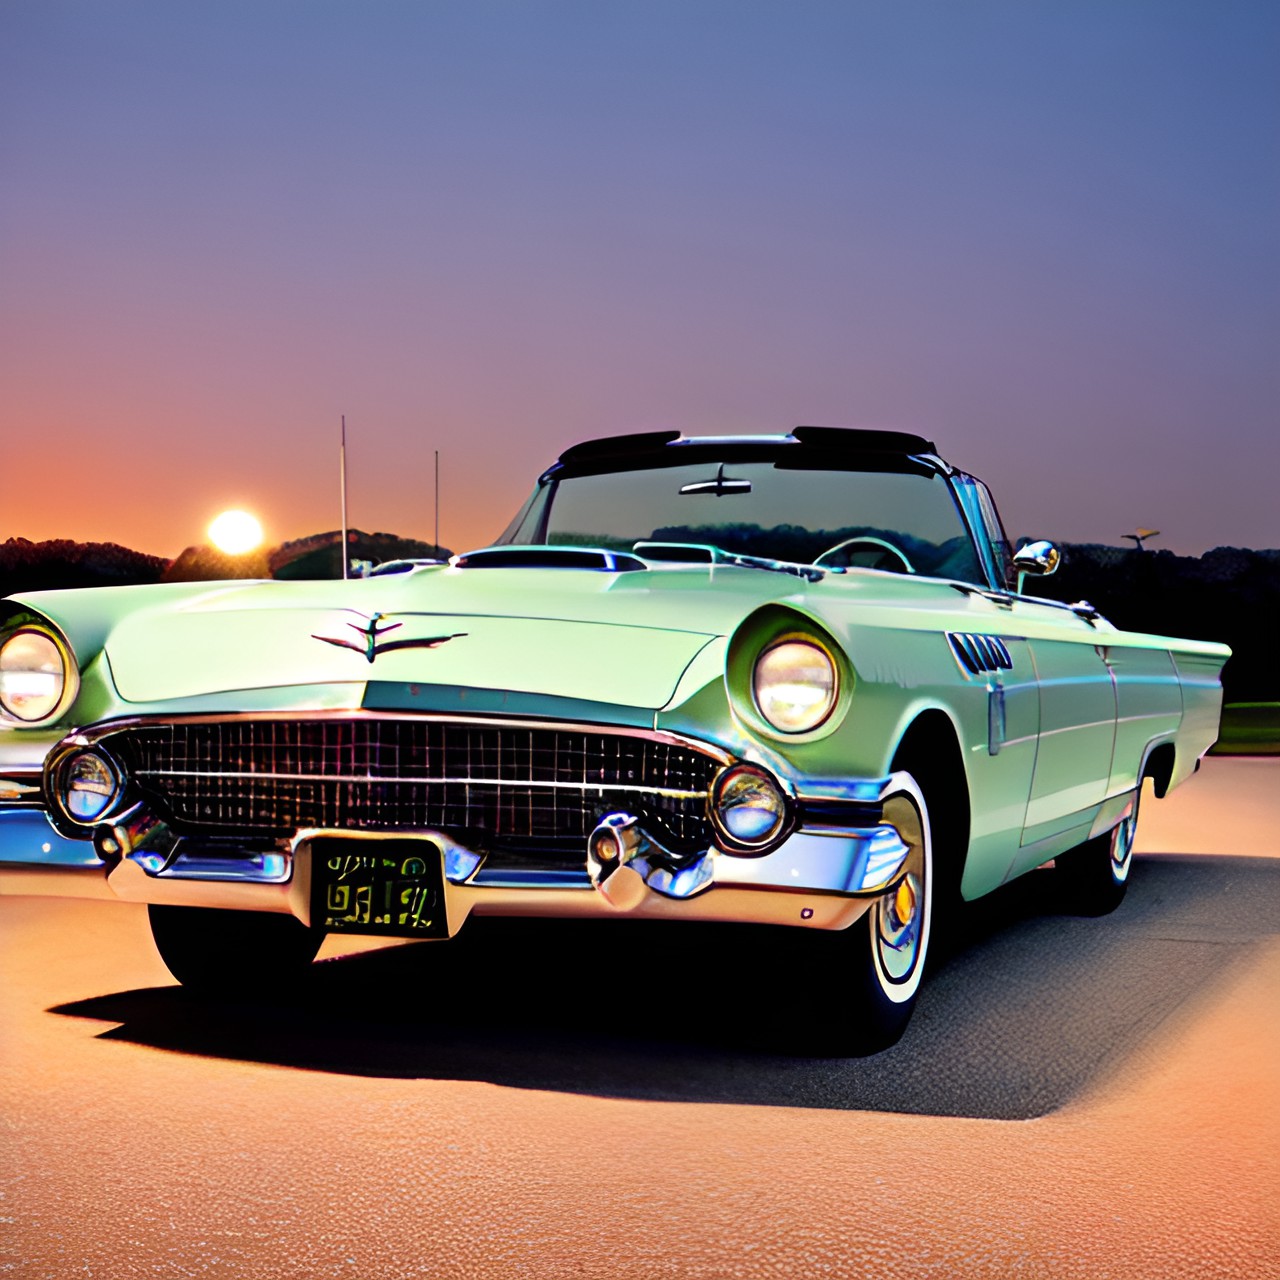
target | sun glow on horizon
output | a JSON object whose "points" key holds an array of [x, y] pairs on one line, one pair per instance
{"points": [[235, 532]]}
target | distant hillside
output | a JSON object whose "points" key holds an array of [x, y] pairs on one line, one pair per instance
{"points": [[319, 556], [208, 564], [1229, 594], [48, 566]]}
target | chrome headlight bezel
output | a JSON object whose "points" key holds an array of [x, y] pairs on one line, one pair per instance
{"points": [[740, 775], [69, 676], [60, 785]]}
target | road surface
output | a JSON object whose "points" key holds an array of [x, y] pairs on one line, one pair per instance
{"points": [[1075, 1097]]}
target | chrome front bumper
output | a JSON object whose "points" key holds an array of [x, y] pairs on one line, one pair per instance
{"points": [[823, 876]]}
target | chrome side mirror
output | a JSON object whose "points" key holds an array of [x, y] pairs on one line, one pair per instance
{"points": [[1039, 559]]}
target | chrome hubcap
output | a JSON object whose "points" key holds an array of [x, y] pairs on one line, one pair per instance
{"points": [[1122, 846], [899, 927], [900, 912]]}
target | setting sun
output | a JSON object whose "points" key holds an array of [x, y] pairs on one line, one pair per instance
{"points": [[235, 532]]}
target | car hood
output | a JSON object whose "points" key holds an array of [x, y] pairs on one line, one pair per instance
{"points": [[620, 638]]}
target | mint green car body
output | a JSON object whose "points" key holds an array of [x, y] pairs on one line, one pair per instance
{"points": [[1044, 753]]}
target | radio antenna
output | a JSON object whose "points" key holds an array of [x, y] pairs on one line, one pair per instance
{"points": [[437, 502], [342, 484]]}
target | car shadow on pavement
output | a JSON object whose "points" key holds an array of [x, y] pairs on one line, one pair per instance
{"points": [[1026, 1009]]}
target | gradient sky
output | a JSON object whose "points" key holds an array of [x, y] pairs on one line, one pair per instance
{"points": [[1044, 232]]}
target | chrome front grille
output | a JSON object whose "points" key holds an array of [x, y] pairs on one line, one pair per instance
{"points": [[500, 785]]}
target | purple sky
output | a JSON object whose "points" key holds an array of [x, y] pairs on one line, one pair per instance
{"points": [[1047, 234]]}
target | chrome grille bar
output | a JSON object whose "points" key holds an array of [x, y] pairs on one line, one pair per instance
{"points": [[672, 792], [498, 781]]}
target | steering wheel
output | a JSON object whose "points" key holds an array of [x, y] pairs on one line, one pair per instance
{"points": [[865, 552]]}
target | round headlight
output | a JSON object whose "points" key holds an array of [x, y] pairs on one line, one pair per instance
{"points": [[33, 675], [794, 684], [748, 806], [88, 785]]}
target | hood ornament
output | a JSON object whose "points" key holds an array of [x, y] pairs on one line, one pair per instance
{"points": [[374, 628]]}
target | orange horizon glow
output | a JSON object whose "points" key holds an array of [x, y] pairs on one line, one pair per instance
{"points": [[1045, 239]]}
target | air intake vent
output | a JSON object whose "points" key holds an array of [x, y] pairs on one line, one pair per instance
{"points": [[979, 654], [679, 552], [550, 558]]}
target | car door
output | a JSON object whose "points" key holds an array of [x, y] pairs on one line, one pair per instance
{"points": [[1077, 720], [1076, 690], [1149, 707]]}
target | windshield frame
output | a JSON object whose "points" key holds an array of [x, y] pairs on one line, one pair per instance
{"points": [[712, 450]]}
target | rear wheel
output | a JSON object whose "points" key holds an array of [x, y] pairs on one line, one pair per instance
{"points": [[232, 951], [1096, 873], [878, 961]]}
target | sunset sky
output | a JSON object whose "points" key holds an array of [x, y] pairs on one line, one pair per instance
{"points": [[1044, 232]]}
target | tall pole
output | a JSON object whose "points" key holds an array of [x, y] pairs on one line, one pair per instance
{"points": [[437, 502], [342, 483]]}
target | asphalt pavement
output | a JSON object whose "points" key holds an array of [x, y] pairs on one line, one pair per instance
{"points": [[1075, 1096]]}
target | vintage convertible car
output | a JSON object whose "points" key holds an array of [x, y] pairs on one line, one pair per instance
{"points": [[779, 679]]}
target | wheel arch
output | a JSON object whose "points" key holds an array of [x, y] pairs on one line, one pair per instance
{"points": [[929, 749], [1158, 765]]}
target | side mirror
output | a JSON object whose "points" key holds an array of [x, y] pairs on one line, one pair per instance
{"points": [[1039, 559]]}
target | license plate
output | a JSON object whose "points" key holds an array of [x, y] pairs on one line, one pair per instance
{"points": [[390, 887]]}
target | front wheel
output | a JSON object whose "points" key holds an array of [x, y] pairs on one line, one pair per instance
{"points": [[1096, 873], [230, 952], [875, 966]]}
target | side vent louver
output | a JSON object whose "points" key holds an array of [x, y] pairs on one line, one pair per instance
{"points": [[979, 654]]}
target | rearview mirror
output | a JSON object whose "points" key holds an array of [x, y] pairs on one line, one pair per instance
{"points": [[1038, 559]]}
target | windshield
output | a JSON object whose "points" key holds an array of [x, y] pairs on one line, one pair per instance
{"points": [[907, 522]]}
